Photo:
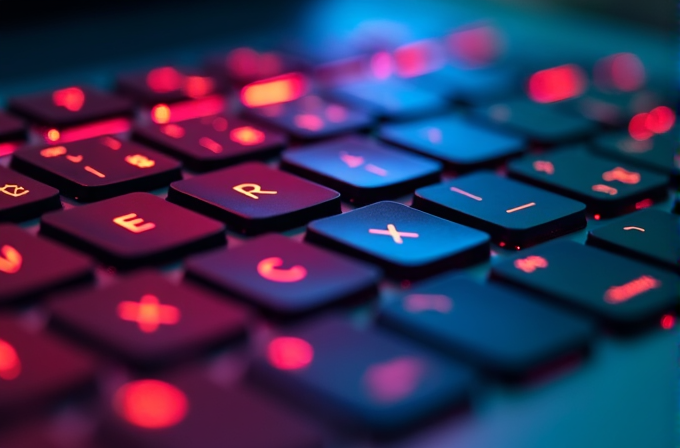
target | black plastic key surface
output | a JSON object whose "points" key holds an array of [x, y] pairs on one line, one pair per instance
{"points": [[166, 85], [30, 266], [606, 186], [36, 367], [70, 106], [97, 168], [612, 109], [514, 214], [458, 142], [652, 235], [285, 277], [191, 409], [11, 128], [244, 65], [362, 377], [133, 230], [148, 320], [656, 153], [23, 198], [406, 242], [499, 329], [253, 198], [208, 143], [623, 293], [312, 117], [362, 170]]}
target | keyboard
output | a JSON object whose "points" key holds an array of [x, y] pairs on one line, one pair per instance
{"points": [[402, 240]]}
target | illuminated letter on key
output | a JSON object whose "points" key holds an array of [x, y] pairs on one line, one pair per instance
{"points": [[133, 224], [251, 190]]}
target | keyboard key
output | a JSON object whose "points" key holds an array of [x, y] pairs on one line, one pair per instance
{"points": [[362, 170], [406, 242], [459, 143], [11, 128], [69, 106], [312, 117], [30, 266], [166, 85], [147, 320], [651, 235], [496, 328], [391, 99], [621, 292], [285, 277], [364, 378], [540, 123], [253, 198], [655, 153], [606, 186], [208, 143], [97, 168], [514, 214], [244, 65], [23, 198], [133, 230], [189, 409], [37, 367], [612, 109]]}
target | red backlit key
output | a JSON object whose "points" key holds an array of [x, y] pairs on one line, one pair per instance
{"points": [[284, 276], [147, 320], [312, 117], [244, 65], [213, 142], [166, 85], [253, 198], [514, 214], [11, 128], [619, 291], [606, 186], [36, 367], [362, 170], [30, 266], [494, 327], [97, 168], [279, 89], [656, 153], [133, 230], [192, 409], [362, 377], [612, 109], [23, 198], [69, 106]]}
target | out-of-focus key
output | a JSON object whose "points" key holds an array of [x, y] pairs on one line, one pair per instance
{"points": [[23, 198], [133, 230], [362, 170], [166, 85], [11, 128], [621, 292], [244, 65], [652, 235], [494, 327], [30, 265], [514, 214], [655, 153]]}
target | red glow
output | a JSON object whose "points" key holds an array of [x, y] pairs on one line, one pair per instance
{"points": [[279, 89], [623, 293], [336, 113], [596, 217], [621, 71], [418, 58], [394, 380], [530, 263], [220, 124], [270, 268], [622, 175], [476, 46], [198, 86], [557, 83], [644, 204], [148, 313], [70, 98], [606, 189], [289, 353], [151, 404], [186, 110], [52, 135], [667, 322], [160, 113], [89, 130], [10, 365], [111, 142], [310, 122], [544, 166], [173, 130], [8, 148], [381, 65], [416, 303], [210, 144], [247, 136], [637, 128], [660, 120], [247, 63], [164, 79]]}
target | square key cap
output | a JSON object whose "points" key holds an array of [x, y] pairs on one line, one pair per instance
{"points": [[23, 198], [253, 198], [406, 242], [496, 328], [656, 153], [604, 185], [166, 85], [458, 142], [284, 276], [147, 320], [362, 170], [213, 142], [513, 213], [621, 292], [70, 106], [652, 235], [97, 168], [133, 230], [362, 377], [30, 265], [312, 117], [11, 128], [36, 367]]}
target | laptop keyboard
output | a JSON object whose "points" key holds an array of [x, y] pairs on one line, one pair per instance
{"points": [[262, 251]]}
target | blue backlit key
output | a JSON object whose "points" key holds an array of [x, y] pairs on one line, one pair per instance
{"points": [[655, 153], [458, 142], [406, 242], [362, 170], [514, 214], [23, 198]]}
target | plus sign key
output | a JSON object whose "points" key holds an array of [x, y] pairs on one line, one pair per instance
{"points": [[406, 242]]}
